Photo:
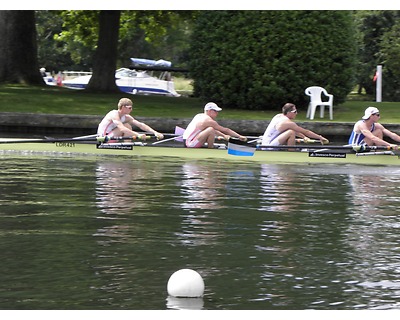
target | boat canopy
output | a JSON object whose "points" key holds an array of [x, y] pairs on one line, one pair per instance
{"points": [[148, 62]]}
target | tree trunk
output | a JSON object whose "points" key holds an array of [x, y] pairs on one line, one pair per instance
{"points": [[105, 59], [18, 48]]}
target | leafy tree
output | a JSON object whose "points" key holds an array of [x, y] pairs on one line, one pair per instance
{"points": [[78, 37], [143, 33], [379, 44], [263, 59], [155, 35], [18, 48], [99, 43], [390, 59], [53, 55]]}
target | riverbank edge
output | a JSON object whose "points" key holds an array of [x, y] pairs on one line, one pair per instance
{"points": [[59, 124]]}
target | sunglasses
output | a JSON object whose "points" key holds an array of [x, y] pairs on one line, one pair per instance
{"points": [[376, 114], [293, 111]]}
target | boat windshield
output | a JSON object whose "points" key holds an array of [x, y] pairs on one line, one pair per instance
{"points": [[127, 73]]}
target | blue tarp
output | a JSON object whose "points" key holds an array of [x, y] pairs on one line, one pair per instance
{"points": [[148, 62]]}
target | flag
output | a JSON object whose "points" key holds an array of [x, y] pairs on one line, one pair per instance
{"points": [[179, 131], [376, 75], [239, 148]]}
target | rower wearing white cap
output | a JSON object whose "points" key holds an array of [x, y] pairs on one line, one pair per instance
{"points": [[204, 128], [368, 131]]}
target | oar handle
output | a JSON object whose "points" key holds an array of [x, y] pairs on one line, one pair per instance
{"points": [[307, 141]]}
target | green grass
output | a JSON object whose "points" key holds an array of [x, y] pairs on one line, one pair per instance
{"points": [[55, 100]]}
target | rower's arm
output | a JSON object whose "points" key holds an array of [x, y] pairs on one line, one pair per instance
{"points": [[391, 135], [146, 128]]}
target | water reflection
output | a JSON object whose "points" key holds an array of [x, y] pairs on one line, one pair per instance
{"points": [[375, 214], [277, 188], [201, 191], [185, 303], [201, 187], [115, 186]]}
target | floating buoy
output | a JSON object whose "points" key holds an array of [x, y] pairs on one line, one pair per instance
{"points": [[185, 283]]}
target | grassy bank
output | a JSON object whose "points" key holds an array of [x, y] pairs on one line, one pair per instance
{"points": [[55, 100]]}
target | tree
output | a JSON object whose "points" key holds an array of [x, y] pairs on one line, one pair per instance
{"points": [[18, 48], [390, 54], [89, 38], [378, 34], [263, 59], [57, 55], [105, 59]]}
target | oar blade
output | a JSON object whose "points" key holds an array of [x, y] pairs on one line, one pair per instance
{"points": [[179, 132], [239, 148]]}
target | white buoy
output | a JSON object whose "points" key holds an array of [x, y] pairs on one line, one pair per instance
{"points": [[185, 283]]}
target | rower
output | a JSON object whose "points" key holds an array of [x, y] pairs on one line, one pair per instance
{"points": [[203, 129], [368, 132], [282, 130], [118, 123]]}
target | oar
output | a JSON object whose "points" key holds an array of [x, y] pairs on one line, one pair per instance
{"points": [[164, 134], [297, 140], [389, 153], [306, 141], [51, 140], [84, 137], [345, 147], [177, 136], [169, 139], [77, 139]]}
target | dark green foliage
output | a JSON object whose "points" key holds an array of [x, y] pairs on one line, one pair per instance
{"points": [[263, 59], [389, 52]]}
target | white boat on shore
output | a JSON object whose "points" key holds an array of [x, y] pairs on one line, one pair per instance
{"points": [[134, 81]]}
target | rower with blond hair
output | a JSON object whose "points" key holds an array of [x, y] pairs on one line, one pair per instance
{"points": [[118, 123]]}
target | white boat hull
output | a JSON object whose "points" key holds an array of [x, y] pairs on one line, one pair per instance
{"points": [[132, 82]]}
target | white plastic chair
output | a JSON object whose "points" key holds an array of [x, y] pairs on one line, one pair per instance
{"points": [[315, 94]]}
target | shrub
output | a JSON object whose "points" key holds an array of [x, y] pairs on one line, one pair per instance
{"points": [[263, 59]]}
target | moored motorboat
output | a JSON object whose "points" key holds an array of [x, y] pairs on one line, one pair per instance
{"points": [[135, 81]]}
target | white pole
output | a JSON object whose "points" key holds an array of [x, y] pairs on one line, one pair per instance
{"points": [[379, 84]]}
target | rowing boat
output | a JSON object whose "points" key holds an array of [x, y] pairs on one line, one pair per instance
{"points": [[304, 155]]}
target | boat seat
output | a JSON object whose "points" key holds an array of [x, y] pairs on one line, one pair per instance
{"points": [[316, 100]]}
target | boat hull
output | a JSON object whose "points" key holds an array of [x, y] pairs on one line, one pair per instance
{"points": [[159, 151], [130, 81]]}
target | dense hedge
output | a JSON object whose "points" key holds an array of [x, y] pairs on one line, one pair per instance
{"points": [[263, 59]]}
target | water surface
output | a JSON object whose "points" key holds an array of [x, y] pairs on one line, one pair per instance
{"points": [[98, 233]]}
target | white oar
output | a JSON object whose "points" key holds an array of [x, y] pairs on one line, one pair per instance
{"points": [[50, 140], [325, 149], [377, 153], [169, 139], [85, 137], [254, 140], [307, 141]]}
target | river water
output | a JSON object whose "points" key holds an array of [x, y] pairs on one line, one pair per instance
{"points": [[107, 233]]}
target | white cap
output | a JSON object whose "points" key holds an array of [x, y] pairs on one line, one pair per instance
{"points": [[370, 111], [212, 106]]}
